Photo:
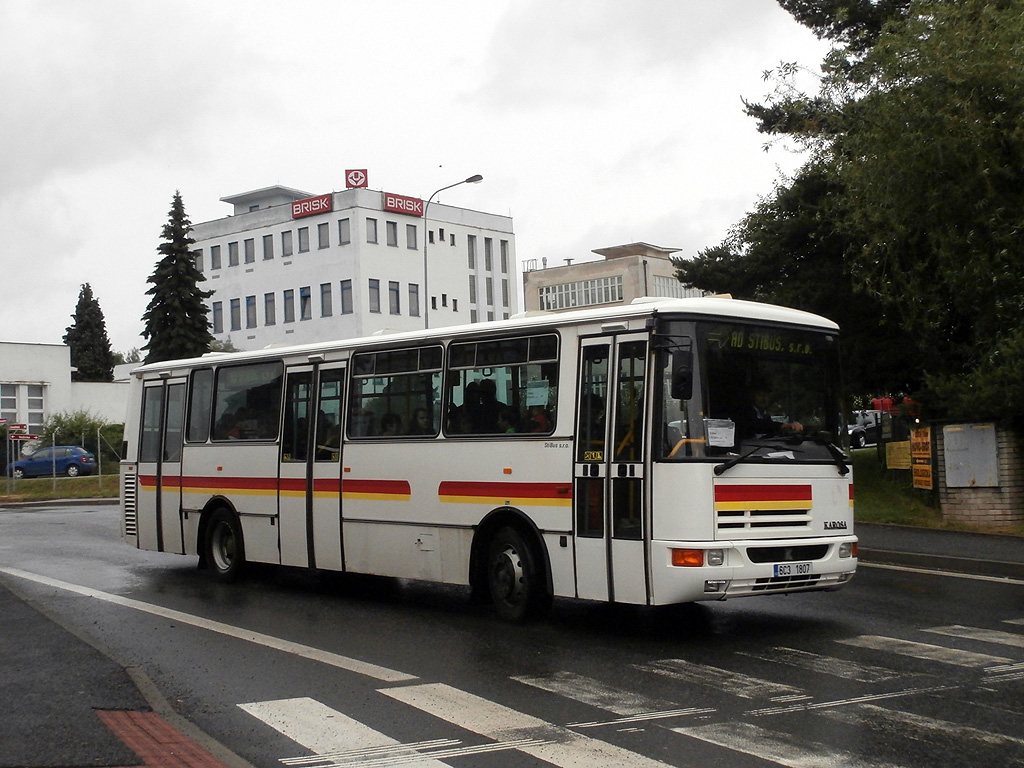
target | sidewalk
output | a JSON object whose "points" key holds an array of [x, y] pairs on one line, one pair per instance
{"points": [[70, 706], [67, 705]]}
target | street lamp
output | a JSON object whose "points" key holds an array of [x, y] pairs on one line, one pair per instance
{"points": [[476, 179]]}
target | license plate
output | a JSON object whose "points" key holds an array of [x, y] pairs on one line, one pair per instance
{"points": [[792, 569]]}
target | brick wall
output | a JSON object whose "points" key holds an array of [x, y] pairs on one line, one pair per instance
{"points": [[999, 507]]}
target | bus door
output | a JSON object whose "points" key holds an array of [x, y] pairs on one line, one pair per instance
{"points": [[309, 496], [608, 497], [159, 498]]}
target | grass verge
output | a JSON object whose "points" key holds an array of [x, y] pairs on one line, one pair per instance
{"points": [[50, 488]]}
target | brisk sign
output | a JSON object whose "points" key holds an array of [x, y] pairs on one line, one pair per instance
{"points": [[402, 204], [311, 206]]}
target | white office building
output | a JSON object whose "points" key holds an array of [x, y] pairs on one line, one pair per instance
{"points": [[289, 267]]}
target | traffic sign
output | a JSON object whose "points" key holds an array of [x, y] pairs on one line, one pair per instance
{"points": [[24, 437], [17, 426]]}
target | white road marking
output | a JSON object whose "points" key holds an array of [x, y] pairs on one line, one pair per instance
{"points": [[269, 641], [924, 651], [918, 727], [587, 690], [949, 574], [735, 683], [335, 737], [825, 665], [777, 747], [984, 635], [561, 746]]}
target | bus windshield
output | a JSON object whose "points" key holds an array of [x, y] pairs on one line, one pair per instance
{"points": [[766, 393]]}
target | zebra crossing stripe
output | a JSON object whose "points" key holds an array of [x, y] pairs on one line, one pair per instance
{"points": [[995, 636], [824, 665], [735, 683], [923, 651], [555, 744], [587, 690], [918, 727], [774, 746]]}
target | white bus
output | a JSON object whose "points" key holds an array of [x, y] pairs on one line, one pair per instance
{"points": [[662, 452]]}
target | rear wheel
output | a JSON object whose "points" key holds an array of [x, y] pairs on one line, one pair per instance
{"points": [[72, 470], [224, 551], [513, 578], [18, 473]]}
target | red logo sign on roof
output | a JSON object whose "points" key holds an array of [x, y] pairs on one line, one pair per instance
{"points": [[313, 205]]}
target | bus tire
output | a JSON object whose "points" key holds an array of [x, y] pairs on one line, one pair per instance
{"points": [[224, 550], [513, 579]]}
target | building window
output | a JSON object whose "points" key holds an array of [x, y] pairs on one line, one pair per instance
{"points": [[488, 254], [289, 306], [9, 402], [392, 228], [268, 247], [414, 300], [305, 303], [585, 293], [326, 303], [489, 285], [503, 246], [218, 317], [250, 311], [430, 236], [286, 243], [410, 237], [303, 239], [451, 241], [323, 235], [233, 254], [197, 259], [236, 314], [346, 297], [344, 232], [394, 300], [269, 310], [471, 242], [250, 251], [371, 230], [214, 257], [374, 295], [672, 288], [472, 289], [473, 316], [35, 406]]}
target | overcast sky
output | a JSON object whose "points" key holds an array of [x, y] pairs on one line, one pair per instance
{"points": [[594, 123]]}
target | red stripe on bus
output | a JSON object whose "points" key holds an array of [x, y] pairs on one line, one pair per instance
{"points": [[390, 487], [506, 490], [725, 493]]}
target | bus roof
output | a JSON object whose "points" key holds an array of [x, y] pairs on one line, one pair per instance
{"points": [[722, 307]]}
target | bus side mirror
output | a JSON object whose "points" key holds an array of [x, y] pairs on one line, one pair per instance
{"points": [[682, 374]]}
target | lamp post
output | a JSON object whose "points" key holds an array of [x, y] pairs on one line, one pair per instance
{"points": [[475, 179]]}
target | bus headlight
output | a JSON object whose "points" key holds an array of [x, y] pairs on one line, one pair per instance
{"points": [[848, 549], [716, 556]]}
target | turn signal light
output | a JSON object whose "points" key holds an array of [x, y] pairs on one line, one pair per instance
{"points": [[688, 558]]}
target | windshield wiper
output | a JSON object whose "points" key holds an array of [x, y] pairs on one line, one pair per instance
{"points": [[824, 438], [725, 466]]}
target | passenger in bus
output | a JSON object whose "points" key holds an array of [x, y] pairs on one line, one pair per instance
{"points": [[506, 421], [539, 420], [364, 423], [484, 416], [421, 423], [391, 425]]}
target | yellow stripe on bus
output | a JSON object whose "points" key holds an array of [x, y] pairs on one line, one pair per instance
{"points": [[741, 506]]}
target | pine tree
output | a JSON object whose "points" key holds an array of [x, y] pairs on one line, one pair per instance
{"points": [[176, 323], [87, 337]]}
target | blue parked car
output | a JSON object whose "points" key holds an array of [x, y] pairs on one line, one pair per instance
{"points": [[67, 460]]}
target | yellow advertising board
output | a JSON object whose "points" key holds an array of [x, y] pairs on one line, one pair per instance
{"points": [[897, 455], [921, 458]]}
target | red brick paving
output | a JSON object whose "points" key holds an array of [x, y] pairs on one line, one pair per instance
{"points": [[155, 741]]}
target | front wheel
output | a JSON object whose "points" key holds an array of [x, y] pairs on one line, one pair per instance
{"points": [[224, 551], [513, 578]]}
